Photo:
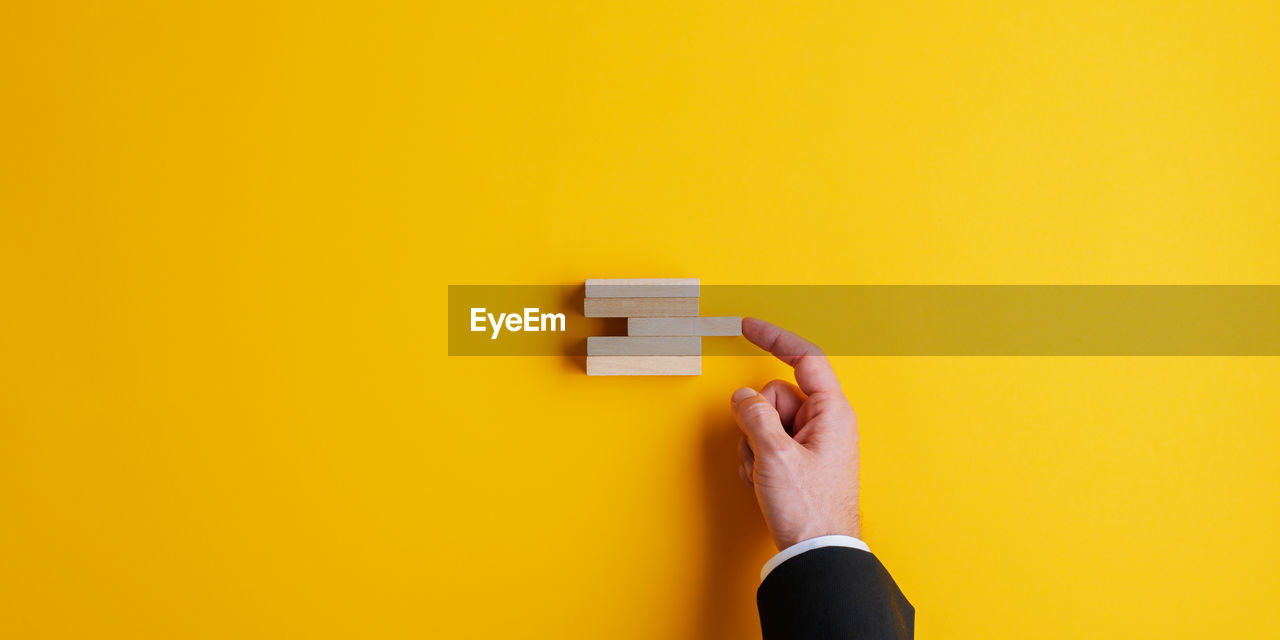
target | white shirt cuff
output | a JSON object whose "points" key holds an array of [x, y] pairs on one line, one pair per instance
{"points": [[809, 545]]}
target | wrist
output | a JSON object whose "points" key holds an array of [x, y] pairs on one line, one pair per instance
{"points": [[851, 527]]}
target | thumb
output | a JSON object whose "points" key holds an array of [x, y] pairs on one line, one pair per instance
{"points": [[758, 420]]}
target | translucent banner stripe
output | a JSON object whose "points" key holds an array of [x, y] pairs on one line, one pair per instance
{"points": [[910, 320]]}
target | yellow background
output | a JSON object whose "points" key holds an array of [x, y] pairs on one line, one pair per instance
{"points": [[226, 408]]}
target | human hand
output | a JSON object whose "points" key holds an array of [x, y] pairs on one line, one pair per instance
{"points": [[799, 448]]}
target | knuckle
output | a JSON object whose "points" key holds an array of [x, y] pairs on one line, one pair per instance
{"points": [[756, 411], [788, 456]]}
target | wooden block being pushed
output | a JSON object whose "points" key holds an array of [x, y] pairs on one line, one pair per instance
{"points": [[639, 307], [644, 365], [721, 326], [642, 288], [629, 346]]}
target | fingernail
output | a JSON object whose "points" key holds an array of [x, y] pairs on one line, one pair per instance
{"points": [[743, 394]]}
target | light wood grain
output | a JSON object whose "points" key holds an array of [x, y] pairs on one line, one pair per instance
{"points": [[642, 288], [644, 365], [711, 326], [639, 307], [629, 346]]}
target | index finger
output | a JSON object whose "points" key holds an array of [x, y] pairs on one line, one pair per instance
{"points": [[813, 370]]}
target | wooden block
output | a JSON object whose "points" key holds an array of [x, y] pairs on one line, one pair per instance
{"points": [[722, 326], [639, 307], [642, 288], [628, 346], [644, 365]]}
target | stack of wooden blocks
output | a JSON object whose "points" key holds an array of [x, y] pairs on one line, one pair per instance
{"points": [[664, 331]]}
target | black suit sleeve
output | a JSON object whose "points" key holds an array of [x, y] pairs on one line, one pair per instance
{"points": [[833, 592]]}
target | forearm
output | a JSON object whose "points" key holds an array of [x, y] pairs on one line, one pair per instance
{"points": [[833, 592]]}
